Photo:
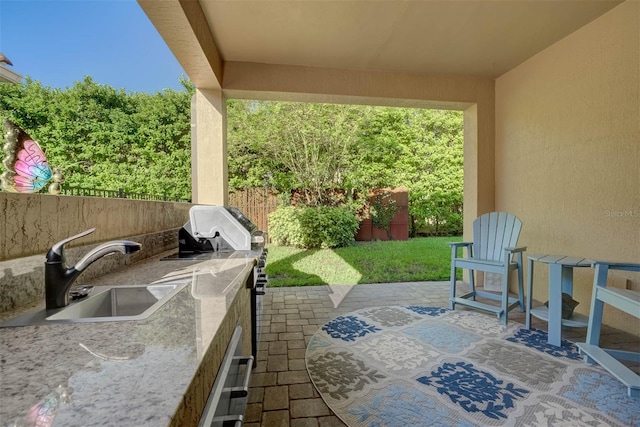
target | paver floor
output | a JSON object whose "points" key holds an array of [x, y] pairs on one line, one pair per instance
{"points": [[281, 392]]}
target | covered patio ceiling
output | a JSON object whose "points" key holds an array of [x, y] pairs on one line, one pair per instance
{"points": [[440, 54], [476, 38]]}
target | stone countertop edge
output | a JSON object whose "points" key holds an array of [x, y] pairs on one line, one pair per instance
{"points": [[152, 372]]}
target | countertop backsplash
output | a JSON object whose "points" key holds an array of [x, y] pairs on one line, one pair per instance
{"points": [[22, 279]]}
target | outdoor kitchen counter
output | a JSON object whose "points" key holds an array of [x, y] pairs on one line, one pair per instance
{"points": [[152, 372]]}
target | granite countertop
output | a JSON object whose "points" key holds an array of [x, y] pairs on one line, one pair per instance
{"points": [[123, 373]]}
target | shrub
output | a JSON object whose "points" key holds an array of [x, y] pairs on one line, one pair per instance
{"points": [[382, 211], [312, 227], [439, 214]]}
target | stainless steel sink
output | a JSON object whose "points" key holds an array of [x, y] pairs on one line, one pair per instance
{"points": [[125, 303], [106, 304]]}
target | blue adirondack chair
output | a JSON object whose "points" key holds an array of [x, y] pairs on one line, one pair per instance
{"points": [[626, 300], [493, 250]]}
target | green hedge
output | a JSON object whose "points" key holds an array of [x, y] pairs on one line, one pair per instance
{"points": [[313, 227]]}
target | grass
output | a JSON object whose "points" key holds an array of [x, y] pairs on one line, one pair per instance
{"points": [[418, 259]]}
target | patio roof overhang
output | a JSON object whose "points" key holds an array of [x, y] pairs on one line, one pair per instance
{"points": [[214, 39]]}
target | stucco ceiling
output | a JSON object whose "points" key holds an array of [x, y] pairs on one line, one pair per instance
{"points": [[481, 38]]}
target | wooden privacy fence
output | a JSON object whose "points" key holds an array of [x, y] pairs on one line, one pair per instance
{"points": [[256, 204]]}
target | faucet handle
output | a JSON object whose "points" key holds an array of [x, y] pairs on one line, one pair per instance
{"points": [[59, 247]]}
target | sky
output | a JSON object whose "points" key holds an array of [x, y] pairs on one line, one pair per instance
{"points": [[59, 42]]}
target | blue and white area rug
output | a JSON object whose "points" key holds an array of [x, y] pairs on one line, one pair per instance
{"points": [[427, 366]]}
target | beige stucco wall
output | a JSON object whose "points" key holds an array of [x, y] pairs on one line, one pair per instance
{"points": [[568, 151], [31, 223]]}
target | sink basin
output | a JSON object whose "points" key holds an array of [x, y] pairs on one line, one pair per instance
{"points": [[106, 304], [124, 303]]}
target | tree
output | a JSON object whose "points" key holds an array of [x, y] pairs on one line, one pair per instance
{"points": [[313, 142], [355, 149], [106, 138], [432, 169], [246, 147], [375, 155], [306, 147]]}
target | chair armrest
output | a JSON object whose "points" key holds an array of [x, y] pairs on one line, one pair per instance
{"points": [[628, 266], [459, 244], [514, 250]]}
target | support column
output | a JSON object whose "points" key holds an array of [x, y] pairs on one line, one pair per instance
{"points": [[479, 170], [209, 173], [470, 184], [479, 164]]}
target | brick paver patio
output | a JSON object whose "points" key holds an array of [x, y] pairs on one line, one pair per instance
{"points": [[281, 392]]}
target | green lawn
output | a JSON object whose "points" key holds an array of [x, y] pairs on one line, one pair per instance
{"points": [[418, 259]]}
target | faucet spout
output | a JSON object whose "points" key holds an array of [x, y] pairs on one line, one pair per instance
{"points": [[58, 278], [125, 247]]}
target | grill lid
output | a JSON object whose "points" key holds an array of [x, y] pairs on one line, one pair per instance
{"points": [[206, 221]]}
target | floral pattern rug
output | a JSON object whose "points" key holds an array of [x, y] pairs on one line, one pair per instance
{"points": [[428, 366]]}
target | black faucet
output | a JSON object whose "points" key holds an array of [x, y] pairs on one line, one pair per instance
{"points": [[58, 278]]}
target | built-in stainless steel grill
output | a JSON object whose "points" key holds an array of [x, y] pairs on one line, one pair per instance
{"points": [[213, 229], [219, 232]]}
